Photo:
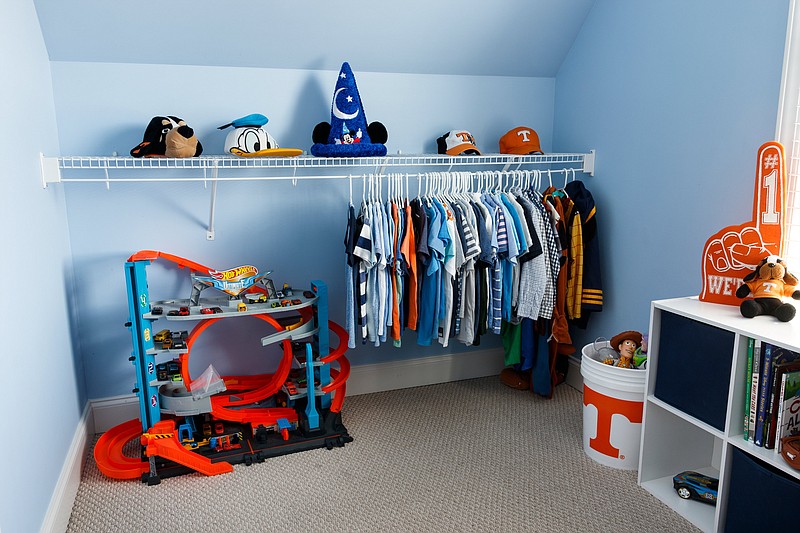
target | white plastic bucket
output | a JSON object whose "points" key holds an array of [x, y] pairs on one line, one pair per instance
{"points": [[613, 400]]}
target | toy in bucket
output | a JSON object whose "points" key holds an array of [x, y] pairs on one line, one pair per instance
{"points": [[625, 350]]}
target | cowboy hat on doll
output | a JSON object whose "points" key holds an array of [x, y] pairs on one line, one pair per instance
{"points": [[347, 134]]}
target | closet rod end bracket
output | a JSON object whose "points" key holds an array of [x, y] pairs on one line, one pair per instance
{"points": [[51, 172], [588, 162]]}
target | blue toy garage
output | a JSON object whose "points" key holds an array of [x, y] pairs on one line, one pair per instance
{"points": [[208, 423]]}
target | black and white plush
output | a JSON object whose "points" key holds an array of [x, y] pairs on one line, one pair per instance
{"points": [[348, 134], [769, 283], [168, 136]]}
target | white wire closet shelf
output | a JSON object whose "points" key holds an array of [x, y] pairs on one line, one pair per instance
{"points": [[99, 169]]}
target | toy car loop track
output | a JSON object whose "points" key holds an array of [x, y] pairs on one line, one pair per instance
{"points": [[212, 422]]}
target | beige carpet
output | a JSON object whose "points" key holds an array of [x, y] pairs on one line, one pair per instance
{"points": [[465, 456]]}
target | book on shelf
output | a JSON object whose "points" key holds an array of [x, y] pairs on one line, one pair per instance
{"points": [[751, 424], [764, 381], [782, 361], [747, 379], [788, 420]]}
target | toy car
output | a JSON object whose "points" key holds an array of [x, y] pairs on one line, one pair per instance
{"points": [[308, 294], [161, 335], [257, 298], [694, 485], [183, 311], [241, 307], [157, 310], [210, 310]]}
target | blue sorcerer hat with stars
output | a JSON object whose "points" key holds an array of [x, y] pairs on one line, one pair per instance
{"points": [[348, 134]]}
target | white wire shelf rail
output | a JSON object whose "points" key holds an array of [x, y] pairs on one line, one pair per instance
{"points": [[98, 169], [210, 170]]}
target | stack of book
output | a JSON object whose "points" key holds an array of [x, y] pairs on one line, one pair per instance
{"points": [[772, 394]]}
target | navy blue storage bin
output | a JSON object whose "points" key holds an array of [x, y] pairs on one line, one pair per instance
{"points": [[694, 368], [760, 497]]}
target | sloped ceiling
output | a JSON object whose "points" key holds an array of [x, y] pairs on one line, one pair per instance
{"points": [[528, 38]]}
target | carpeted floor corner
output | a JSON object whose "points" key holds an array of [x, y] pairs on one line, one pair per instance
{"points": [[464, 456]]}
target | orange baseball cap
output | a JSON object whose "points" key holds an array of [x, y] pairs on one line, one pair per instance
{"points": [[520, 141]]}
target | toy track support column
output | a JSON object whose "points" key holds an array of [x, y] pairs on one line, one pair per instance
{"points": [[141, 336], [312, 415], [323, 337]]}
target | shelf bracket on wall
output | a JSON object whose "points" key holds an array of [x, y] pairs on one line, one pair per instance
{"points": [[51, 170], [588, 162], [214, 174]]}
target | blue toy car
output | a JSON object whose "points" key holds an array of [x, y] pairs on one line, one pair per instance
{"points": [[696, 486]]}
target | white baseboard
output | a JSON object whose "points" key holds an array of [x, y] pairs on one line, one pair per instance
{"points": [[365, 379], [574, 377], [60, 508]]}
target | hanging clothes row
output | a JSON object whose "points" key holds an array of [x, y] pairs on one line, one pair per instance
{"points": [[474, 253]]}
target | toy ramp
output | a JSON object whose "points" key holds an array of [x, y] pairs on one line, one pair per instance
{"points": [[108, 452], [163, 442]]}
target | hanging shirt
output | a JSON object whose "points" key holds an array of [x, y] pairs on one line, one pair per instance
{"points": [[350, 285], [363, 250]]}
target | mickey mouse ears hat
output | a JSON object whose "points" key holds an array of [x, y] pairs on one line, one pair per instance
{"points": [[457, 142], [520, 141], [347, 134]]}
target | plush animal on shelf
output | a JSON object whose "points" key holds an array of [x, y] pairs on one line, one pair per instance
{"points": [[168, 136], [250, 139], [769, 283], [347, 134]]}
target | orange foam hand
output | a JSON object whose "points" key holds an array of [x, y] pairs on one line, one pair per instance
{"points": [[734, 251]]}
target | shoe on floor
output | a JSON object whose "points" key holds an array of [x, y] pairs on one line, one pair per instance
{"points": [[515, 379]]}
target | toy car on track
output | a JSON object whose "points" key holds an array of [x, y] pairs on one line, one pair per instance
{"points": [[694, 485]]}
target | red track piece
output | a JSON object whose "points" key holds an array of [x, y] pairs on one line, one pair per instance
{"points": [[108, 452]]}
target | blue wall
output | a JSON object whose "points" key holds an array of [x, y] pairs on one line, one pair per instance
{"points": [[676, 97], [295, 231], [41, 383]]}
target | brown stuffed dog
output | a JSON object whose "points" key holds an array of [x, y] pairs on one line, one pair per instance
{"points": [[769, 284], [168, 136]]}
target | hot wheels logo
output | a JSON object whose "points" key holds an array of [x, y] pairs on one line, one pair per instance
{"points": [[234, 274]]}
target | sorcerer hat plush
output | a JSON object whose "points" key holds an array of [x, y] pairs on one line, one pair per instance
{"points": [[347, 134], [249, 139], [457, 142], [520, 141]]}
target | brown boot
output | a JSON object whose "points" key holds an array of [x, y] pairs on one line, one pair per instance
{"points": [[516, 379]]}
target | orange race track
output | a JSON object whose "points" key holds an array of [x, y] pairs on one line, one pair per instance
{"points": [[161, 440]]}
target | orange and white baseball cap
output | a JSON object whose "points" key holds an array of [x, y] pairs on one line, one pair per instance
{"points": [[520, 141], [457, 142]]}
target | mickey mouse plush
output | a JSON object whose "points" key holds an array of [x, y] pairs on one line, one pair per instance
{"points": [[769, 283], [168, 136]]}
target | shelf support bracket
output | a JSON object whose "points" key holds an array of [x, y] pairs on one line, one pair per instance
{"points": [[214, 174], [588, 162], [51, 172]]}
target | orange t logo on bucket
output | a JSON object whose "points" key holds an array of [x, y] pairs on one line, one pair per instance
{"points": [[606, 407]]}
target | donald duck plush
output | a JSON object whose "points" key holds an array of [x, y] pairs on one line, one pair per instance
{"points": [[250, 139]]}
